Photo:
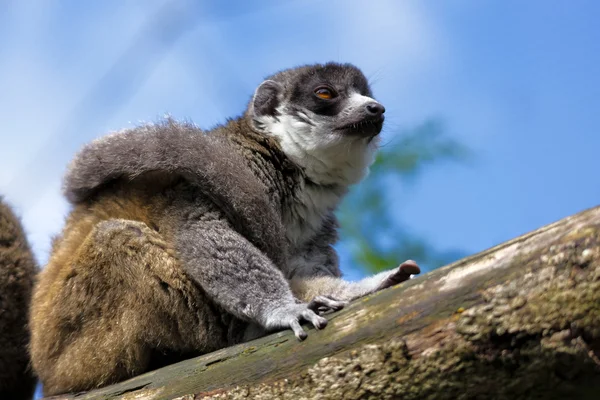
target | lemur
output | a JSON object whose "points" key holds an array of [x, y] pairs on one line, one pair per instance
{"points": [[182, 241], [17, 273]]}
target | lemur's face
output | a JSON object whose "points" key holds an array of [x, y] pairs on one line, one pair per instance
{"points": [[324, 117]]}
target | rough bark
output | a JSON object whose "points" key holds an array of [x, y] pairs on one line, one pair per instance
{"points": [[518, 321]]}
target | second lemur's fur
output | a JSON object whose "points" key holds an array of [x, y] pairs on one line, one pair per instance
{"points": [[182, 242], [17, 271]]}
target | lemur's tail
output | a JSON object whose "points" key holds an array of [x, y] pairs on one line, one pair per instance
{"points": [[17, 272]]}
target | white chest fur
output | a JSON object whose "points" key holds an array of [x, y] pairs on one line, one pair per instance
{"points": [[331, 160], [305, 215]]}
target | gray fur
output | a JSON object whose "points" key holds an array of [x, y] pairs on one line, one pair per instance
{"points": [[206, 160]]}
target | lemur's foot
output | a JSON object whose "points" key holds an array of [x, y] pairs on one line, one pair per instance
{"points": [[400, 274]]}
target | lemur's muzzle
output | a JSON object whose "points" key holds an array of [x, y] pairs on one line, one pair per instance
{"points": [[367, 121]]}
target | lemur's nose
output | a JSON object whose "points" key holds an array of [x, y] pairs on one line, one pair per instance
{"points": [[375, 109]]}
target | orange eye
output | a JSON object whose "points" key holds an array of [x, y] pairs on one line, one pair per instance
{"points": [[324, 93]]}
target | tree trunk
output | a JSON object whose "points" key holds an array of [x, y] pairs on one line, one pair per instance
{"points": [[518, 321]]}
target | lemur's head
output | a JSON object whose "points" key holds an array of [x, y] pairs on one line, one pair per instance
{"points": [[324, 117]]}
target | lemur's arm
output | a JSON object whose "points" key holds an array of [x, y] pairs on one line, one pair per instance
{"points": [[316, 272], [242, 280], [339, 289]]}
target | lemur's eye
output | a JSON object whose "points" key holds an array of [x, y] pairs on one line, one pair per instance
{"points": [[324, 92]]}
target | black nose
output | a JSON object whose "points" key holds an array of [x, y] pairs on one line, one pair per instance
{"points": [[375, 109]]}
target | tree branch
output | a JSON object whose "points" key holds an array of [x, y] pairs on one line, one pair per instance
{"points": [[518, 321]]}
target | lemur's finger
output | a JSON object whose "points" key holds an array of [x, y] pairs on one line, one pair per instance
{"points": [[323, 302], [400, 274], [298, 331], [324, 309], [409, 267], [403, 273], [317, 321]]}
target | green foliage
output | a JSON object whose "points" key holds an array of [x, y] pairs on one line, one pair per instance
{"points": [[374, 238]]}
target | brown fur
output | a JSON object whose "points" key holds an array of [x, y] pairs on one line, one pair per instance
{"points": [[17, 270], [113, 300]]}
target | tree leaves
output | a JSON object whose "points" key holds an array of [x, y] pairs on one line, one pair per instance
{"points": [[370, 228]]}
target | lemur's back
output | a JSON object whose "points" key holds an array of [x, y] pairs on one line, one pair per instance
{"points": [[113, 295], [121, 200]]}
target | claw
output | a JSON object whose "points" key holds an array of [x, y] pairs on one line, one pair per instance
{"points": [[298, 331], [321, 324], [317, 321]]}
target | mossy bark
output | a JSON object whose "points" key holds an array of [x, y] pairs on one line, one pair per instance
{"points": [[518, 321]]}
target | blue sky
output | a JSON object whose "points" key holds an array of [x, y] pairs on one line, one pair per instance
{"points": [[518, 82]]}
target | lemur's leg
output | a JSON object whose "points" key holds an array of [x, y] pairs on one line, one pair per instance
{"points": [[244, 281], [306, 288], [103, 309]]}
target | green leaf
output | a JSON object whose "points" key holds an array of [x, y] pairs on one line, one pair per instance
{"points": [[366, 215]]}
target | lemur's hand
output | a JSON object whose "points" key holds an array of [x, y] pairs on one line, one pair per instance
{"points": [[290, 315], [400, 274]]}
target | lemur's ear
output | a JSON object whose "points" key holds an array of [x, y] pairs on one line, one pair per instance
{"points": [[267, 98]]}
